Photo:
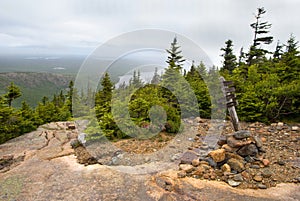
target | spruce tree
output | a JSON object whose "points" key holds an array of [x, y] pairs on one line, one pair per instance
{"points": [[261, 28], [156, 78], [278, 51], [229, 63], [13, 93], [175, 60]]}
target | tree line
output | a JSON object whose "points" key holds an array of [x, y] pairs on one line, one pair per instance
{"points": [[267, 87], [16, 121]]}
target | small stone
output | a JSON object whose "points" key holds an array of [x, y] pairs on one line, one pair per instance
{"points": [[195, 162], [242, 134], [249, 159], [196, 138], [281, 162], [254, 166], [248, 150], [258, 141], [238, 177], [229, 148], [199, 120], [217, 155], [71, 126], [199, 171], [236, 165], [263, 139], [181, 174], [211, 162], [233, 183], [188, 157], [297, 180], [186, 168], [280, 124], [226, 168], [206, 176], [222, 140], [262, 186], [258, 178], [204, 147], [266, 173], [232, 142], [165, 183], [234, 155], [206, 167], [295, 128], [246, 175], [202, 162], [266, 162]]}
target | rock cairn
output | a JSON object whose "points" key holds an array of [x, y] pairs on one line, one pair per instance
{"points": [[239, 161]]}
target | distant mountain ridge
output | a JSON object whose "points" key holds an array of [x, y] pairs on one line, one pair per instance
{"points": [[34, 85]]}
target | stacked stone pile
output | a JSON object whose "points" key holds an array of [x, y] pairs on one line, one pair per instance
{"points": [[239, 161]]}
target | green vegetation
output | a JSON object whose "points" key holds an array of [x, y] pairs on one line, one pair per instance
{"points": [[34, 86], [267, 88], [16, 121]]}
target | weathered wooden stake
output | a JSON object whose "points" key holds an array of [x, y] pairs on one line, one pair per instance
{"points": [[230, 102]]}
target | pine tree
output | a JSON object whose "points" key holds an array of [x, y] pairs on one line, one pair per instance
{"points": [[278, 51], [261, 28], [70, 95], [229, 62], [13, 93], [136, 81], [291, 60], [175, 60], [242, 56], [156, 78]]}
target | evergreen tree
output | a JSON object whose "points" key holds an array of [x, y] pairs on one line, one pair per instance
{"points": [[229, 62], [28, 120], [104, 115], [175, 60], [156, 78], [241, 56], [290, 62], [70, 95], [261, 28], [13, 93], [105, 94], [278, 51], [136, 81]]}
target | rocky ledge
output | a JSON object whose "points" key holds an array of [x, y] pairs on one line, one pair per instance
{"points": [[42, 165]]}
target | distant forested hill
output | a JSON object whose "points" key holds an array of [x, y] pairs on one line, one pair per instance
{"points": [[34, 85]]}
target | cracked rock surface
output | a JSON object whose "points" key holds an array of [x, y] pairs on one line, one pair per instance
{"points": [[41, 165]]}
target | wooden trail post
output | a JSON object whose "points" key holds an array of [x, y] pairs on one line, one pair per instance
{"points": [[230, 98]]}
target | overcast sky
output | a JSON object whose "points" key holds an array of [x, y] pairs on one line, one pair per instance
{"points": [[79, 26]]}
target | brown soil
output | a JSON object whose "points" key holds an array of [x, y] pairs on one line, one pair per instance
{"points": [[138, 146]]}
